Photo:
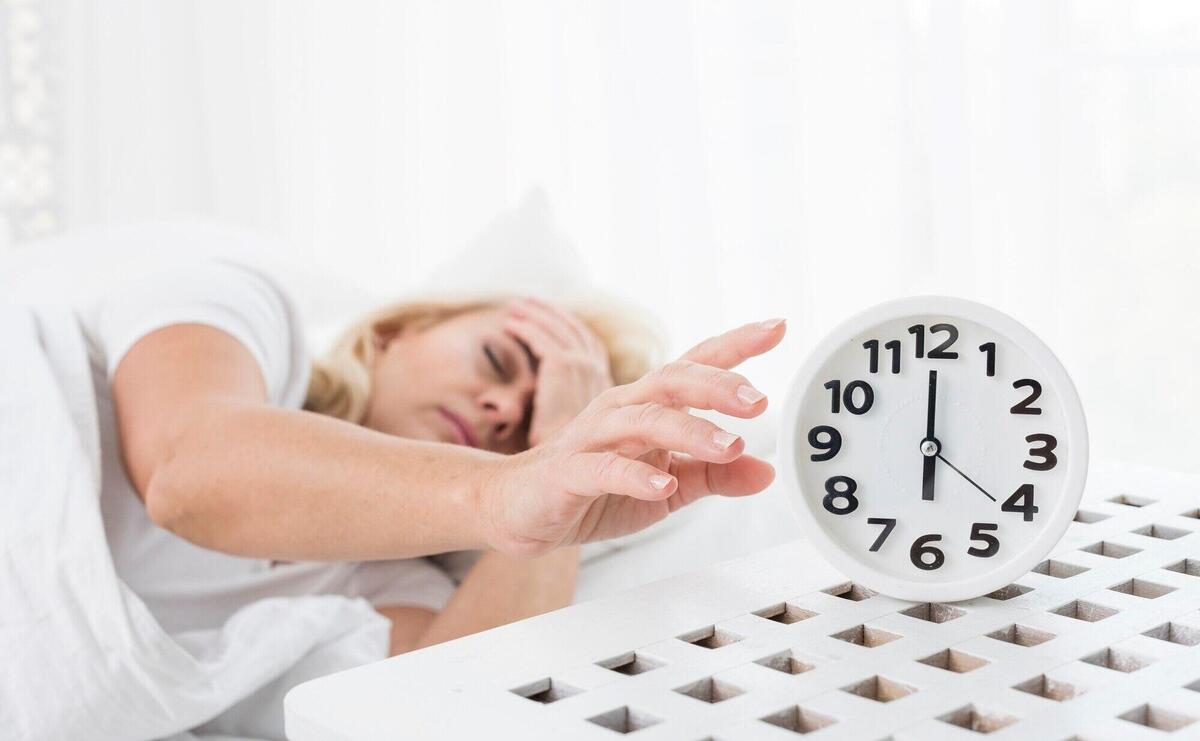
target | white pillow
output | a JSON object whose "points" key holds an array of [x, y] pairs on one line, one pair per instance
{"points": [[520, 252]]}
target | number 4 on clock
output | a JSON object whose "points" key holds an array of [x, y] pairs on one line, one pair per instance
{"points": [[1021, 501]]}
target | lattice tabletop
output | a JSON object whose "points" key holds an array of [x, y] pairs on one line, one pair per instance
{"points": [[1100, 641]]}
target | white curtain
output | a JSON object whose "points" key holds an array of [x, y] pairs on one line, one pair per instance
{"points": [[718, 161]]}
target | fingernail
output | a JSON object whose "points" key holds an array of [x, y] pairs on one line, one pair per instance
{"points": [[750, 395], [724, 439], [660, 481], [771, 323]]}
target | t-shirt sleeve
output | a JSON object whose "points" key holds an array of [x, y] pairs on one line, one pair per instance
{"points": [[411, 582], [230, 297]]}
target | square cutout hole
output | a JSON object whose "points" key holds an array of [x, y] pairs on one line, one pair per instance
{"points": [[710, 637], [934, 612], [624, 720], [785, 613], [1087, 611], [1129, 500], [1163, 532], [630, 663], [1110, 550], [1059, 569], [880, 689], [1021, 635], [1088, 517], [1193, 513], [851, 591], [798, 720], [710, 690], [1189, 566], [1157, 718], [786, 662], [546, 691], [1008, 592], [976, 719], [862, 635], [1051, 689], [1117, 660], [1194, 686], [1142, 588], [1184, 635], [953, 660]]}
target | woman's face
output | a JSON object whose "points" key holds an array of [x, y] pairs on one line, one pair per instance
{"points": [[464, 381]]}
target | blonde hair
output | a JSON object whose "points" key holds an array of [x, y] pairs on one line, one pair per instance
{"points": [[340, 383]]}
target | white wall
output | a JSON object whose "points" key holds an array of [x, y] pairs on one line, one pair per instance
{"points": [[720, 161]]}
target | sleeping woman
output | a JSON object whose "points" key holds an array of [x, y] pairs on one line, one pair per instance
{"points": [[236, 469]]}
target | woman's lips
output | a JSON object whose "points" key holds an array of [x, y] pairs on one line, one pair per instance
{"points": [[465, 436]]}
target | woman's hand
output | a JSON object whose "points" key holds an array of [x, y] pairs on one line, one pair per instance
{"points": [[587, 482], [572, 363]]}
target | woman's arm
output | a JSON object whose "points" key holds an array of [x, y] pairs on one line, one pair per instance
{"points": [[222, 468], [499, 589]]}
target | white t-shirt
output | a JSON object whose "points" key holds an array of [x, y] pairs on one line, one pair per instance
{"points": [[185, 586]]}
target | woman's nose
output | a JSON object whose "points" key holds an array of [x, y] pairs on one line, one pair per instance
{"points": [[504, 410]]}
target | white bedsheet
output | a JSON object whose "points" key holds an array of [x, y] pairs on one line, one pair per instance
{"points": [[83, 657], [712, 530]]}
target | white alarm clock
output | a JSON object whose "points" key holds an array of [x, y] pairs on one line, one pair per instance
{"points": [[935, 447]]}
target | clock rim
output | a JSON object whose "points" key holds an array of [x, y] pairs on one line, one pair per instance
{"points": [[1073, 481]]}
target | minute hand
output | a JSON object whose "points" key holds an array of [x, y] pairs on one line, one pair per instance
{"points": [[928, 465], [968, 478]]}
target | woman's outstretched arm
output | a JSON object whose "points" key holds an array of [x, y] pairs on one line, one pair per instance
{"points": [[216, 464], [222, 468]]}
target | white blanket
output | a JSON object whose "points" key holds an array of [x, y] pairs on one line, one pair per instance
{"points": [[82, 656]]}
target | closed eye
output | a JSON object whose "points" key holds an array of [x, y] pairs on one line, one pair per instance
{"points": [[495, 362]]}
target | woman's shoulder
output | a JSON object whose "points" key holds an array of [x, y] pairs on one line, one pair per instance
{"points": [[243, 301]]}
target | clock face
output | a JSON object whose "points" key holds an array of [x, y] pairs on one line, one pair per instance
{"points": [[937, 446]]}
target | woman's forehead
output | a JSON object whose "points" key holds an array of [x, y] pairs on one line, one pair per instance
{"points": [[485, 318], [487, 321]]}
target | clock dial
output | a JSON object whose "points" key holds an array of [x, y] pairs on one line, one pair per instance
{"points": [[936, 447]]}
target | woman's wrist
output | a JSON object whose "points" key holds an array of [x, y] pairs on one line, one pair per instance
{"points": [[482, 489]]}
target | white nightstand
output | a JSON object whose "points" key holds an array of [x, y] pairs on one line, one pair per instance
{"points": [[1101, 641]]}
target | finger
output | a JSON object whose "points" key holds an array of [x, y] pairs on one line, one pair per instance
{"points": [[563, 334], [584, 336], [658, 458], [697, 478], [594, 474], [687, 384], [532, 335], [730, 349], [590, 339], [650, 426]]}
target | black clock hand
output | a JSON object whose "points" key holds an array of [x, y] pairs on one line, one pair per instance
{"points": [[929, 446], [932, 398], [968, 478]]}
